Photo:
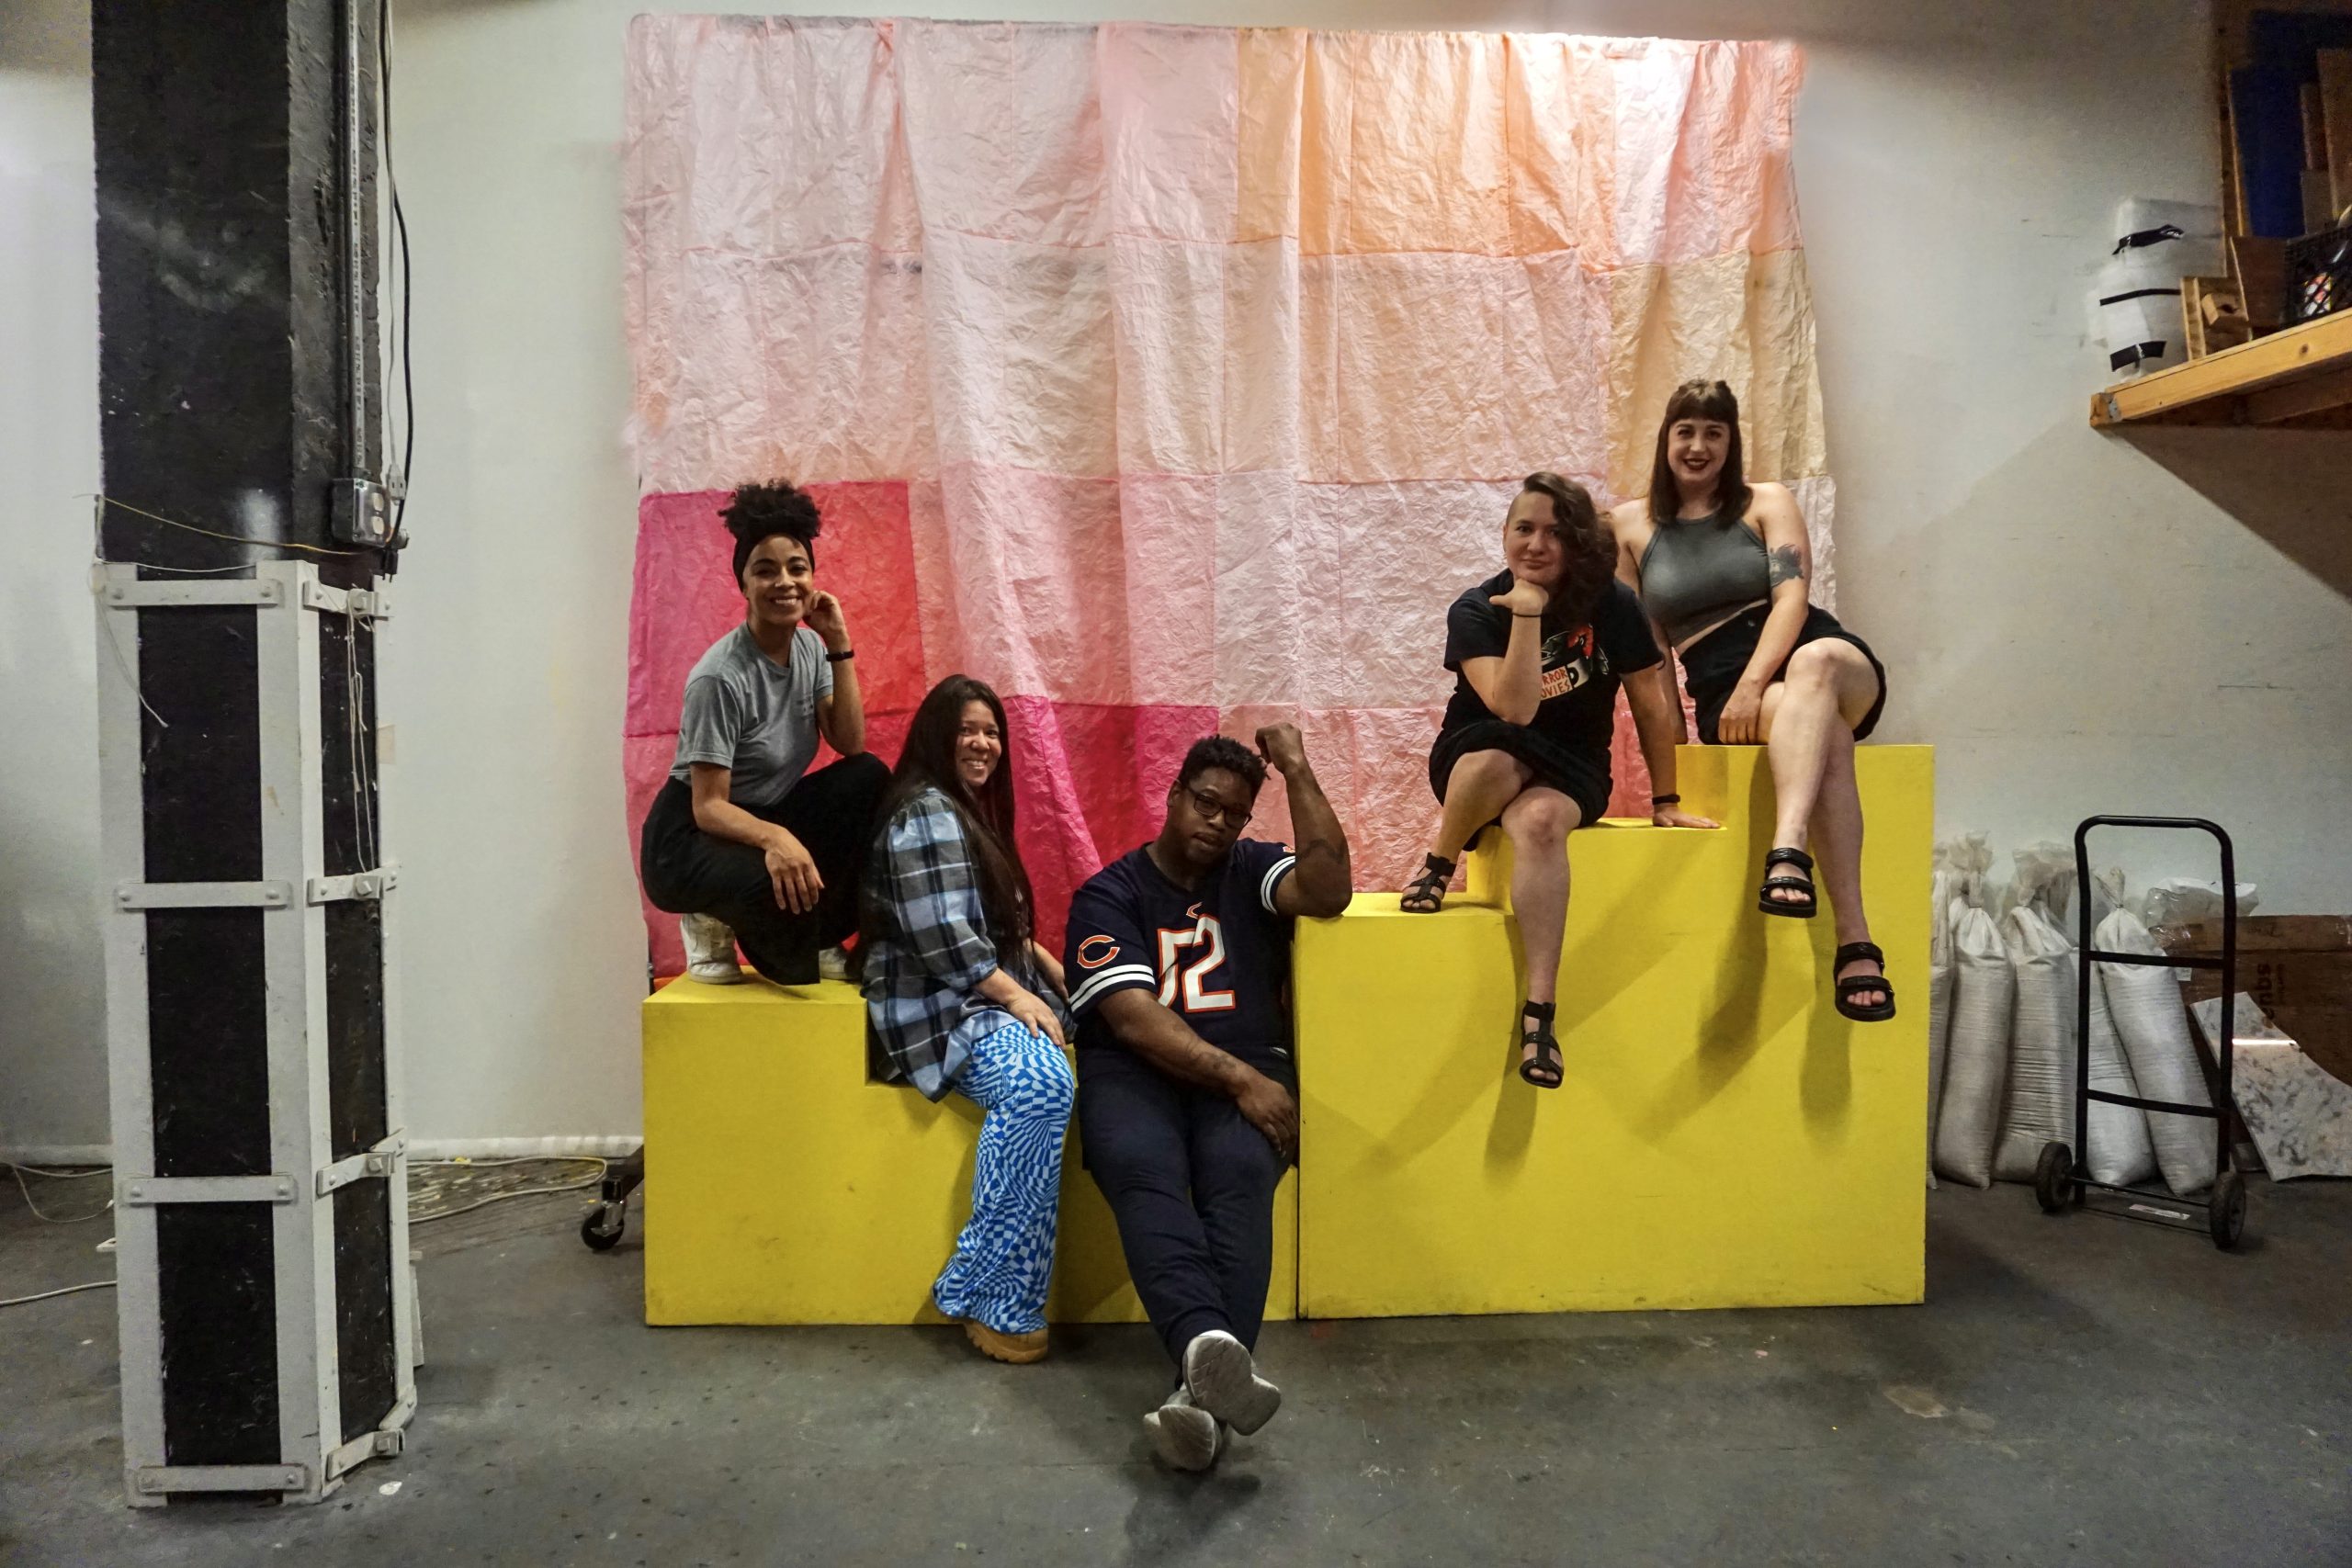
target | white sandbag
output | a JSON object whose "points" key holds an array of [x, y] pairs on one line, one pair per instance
{"points": [[2044, 882], [1940, 909], [2145, 1003], [2039, 1106], [2107, 896], [2179, 900], [1976, 1056], [2121, 1153], [1968, 858], [1942, 986]]}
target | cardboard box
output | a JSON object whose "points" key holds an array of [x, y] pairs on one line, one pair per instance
{"points": [[2298, 969]]}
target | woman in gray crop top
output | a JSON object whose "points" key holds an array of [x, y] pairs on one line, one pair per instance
{"points": [[1721, 566]]}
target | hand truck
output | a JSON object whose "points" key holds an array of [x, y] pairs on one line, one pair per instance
{"points": [[2061, 1177], [603, 1228]]}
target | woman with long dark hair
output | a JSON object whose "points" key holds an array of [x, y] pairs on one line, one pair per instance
{"points": [[962, 997], [1539, 651], [1722, 565]]}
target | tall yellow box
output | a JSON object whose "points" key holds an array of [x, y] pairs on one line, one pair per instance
{"points": [[1724, 1138], [784, 1187]]}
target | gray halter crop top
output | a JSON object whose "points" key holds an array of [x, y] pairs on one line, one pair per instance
{"points": [[1696, 570]]}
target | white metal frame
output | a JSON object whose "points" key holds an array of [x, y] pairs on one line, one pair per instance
{"points": [[287, 598]]}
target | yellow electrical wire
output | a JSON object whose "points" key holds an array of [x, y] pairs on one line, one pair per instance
{"points": [[233, 538]]}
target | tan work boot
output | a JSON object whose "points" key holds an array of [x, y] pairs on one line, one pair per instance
{"points": [[1020, 1349]]}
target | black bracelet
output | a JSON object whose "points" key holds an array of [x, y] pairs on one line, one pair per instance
{"points": [[1527, 614], [1658, 800], [846, 653]]}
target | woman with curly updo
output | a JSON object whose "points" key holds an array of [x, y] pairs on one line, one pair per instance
{"points": [[743, 841]]}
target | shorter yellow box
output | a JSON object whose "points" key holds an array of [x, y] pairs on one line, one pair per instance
{"points": [[783, 1186]]}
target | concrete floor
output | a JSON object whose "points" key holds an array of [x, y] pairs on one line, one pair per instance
{"points": [[2081, 1391]]}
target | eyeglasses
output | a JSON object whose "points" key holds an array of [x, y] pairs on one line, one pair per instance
{"points": [[1214, 811]]}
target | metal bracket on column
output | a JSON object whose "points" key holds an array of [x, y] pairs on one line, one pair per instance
{"points": [[158, 1479], [367, 1445], [375, 1162], [202, 896], [145, 595], [148, 1191], [373, 603], [359, 885]]}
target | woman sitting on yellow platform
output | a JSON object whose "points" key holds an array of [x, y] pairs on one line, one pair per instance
{"points": [[962, 997], [1721, 566], [1539, 651]]}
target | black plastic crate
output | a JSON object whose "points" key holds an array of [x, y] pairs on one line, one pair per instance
{"points": [[2319, 274]]}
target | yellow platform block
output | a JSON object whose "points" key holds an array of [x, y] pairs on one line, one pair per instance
{"points": [[1724, 1138], [784, 1187]]}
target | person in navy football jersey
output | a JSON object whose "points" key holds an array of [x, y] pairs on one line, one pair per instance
{"points": [[1178, 959]]}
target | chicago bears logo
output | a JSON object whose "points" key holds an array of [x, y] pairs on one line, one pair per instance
{"points": [[1096, 950]]}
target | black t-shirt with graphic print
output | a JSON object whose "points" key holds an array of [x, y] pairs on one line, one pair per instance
{"points": [[1583, 666]]}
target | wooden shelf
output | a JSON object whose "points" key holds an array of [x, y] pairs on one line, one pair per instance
{"points": [[2301, 376]]}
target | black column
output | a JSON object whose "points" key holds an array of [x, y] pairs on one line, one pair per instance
{"points": [[226, 293]]}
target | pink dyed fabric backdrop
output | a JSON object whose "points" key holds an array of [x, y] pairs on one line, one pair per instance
{"points": [[1174, 380]]}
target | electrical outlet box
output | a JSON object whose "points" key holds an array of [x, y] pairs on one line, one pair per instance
{"points": [[363, 513]]}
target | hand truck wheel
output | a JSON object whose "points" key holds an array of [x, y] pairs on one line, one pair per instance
{"points": [[2054, 1186], [603, 1228], [2225, 1211]]}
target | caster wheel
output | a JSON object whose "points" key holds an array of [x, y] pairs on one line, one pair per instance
{"points": [[601, 1229], [2054, 1187], [2225, 1213]]}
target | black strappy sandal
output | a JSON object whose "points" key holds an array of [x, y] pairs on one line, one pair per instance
{"points": [[1546, 1068], [1854, 984], [1425, 895], [1803, 909]]}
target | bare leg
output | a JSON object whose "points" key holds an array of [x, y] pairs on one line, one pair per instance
{"points": [[1837, 841], [1827, 685], [1481, 785], [1836, 820], [1539, 822]]}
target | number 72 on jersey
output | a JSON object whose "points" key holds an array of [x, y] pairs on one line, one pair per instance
{"points": [[1185, 986]]}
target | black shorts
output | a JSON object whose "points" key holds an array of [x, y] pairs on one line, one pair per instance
{"points": [[1582, 777], [1713, 665]]}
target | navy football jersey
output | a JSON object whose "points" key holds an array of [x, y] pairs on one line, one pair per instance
{"points": [[1217, 958]]}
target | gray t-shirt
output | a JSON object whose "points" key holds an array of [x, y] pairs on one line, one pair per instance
{"points": [[746, 713]]}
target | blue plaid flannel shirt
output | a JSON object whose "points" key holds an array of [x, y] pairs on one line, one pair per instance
{"points": [[930, 947]]}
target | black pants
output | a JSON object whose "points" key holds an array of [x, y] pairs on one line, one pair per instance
{"points": [[1192, 1184], [689, 872]]}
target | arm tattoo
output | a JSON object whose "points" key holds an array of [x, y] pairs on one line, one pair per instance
{"points": [[1319, 851], [1784, 565]]}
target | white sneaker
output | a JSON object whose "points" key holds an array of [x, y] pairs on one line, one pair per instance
{"points": [[710, 950], [1224, 1381], [1185, 1436], [833, 963]]}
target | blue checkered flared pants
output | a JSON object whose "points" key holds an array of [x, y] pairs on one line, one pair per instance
{"points": [[1004, 1260]]}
